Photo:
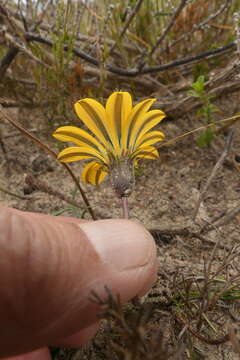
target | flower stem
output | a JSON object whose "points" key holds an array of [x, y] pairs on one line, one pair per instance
{"points": [[124, 200]]}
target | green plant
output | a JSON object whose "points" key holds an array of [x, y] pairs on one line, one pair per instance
{"points": [[55, 83], [206, 110]]}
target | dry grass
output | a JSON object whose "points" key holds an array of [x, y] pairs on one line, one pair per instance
{"points": [[119, 35]]}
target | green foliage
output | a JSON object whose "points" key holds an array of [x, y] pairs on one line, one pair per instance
{"points": [[71, 210], [206, 111], [201, 69], [206, 138], [218, 288], [138, 171]]}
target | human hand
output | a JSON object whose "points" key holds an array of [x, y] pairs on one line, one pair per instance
{"points": [[48, 267]]}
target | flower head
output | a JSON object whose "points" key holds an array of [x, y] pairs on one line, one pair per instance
{"points": [[120, 135]]}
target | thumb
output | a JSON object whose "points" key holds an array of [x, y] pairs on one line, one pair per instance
{"points": [[49, 266]]}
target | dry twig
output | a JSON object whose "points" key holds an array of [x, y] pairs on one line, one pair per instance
{"points": [[40, 185], [52, 153], [215, 170], [223, 220], [169, 26], [128, 22], [6, 191], [197, 27]]}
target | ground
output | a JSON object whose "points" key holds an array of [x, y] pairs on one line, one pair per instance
{"points": [[165, 196]]}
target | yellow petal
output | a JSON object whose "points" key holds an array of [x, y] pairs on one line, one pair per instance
{"points": [[79, 153], [94, 116], [118, 109], [93, 173], [137, 112], [78, 136], [147, 152], [145, 123], [149, 138]]}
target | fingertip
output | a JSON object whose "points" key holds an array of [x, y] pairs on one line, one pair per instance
{"points": [[129, 250], [59, 264], [122, 243]]}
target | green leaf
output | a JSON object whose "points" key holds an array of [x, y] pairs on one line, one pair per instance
{"points": [[193, 93], [60, 212], [198, 85], [205, 139], [138, 171]]}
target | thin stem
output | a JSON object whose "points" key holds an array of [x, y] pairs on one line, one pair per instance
{"points": [[217, 166], [169, 26], [124, 201], [13, 194], [44, 187], [51, 152], [197, 27], [173, 140], [129, 20]]}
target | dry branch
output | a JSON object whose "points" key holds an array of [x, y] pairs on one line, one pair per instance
{"points": [[33, 37], [7, 60], [17, 24], [136, 72]]}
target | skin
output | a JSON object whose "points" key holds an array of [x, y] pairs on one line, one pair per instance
{"points": [[48, 267]]}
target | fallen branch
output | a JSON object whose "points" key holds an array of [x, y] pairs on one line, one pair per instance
{"points": [[7, 60], [135, 72]]}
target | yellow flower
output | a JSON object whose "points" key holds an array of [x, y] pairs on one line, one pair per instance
{"points": [[121, 137]]}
